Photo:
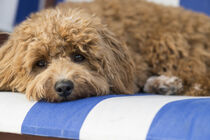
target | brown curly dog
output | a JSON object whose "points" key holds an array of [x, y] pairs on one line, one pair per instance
{"points": [[66, 53]]}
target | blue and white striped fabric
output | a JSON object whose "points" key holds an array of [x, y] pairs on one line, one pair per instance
{"points": [[13, 12], [112, 117]]}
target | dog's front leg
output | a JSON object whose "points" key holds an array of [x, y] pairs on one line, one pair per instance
{"points": [[164, 85]]}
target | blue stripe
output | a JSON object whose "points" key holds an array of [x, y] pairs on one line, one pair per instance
{"points": [[182, 120], [197, 5], [62, 120], [25, 7], [59, 119]]}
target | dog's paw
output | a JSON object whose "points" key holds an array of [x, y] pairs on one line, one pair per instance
{"points": [[163, 85]]}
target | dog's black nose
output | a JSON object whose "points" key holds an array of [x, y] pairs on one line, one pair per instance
{"points": [[64, 87]]}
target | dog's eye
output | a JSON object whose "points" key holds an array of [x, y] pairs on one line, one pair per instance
{"points": [[41, 63], [78, 58]]}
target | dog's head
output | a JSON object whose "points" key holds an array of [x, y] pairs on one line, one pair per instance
{"points": [[64, 55]]}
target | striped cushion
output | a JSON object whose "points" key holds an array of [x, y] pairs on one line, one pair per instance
{"points": [[139, 116]]}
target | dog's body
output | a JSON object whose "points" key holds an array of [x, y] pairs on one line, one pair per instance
{"points": [[63, 54], [162, 41]]}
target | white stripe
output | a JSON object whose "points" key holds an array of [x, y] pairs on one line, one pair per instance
{"points": [[167, 2], [123, 118], [8, 10], [13, 109]]}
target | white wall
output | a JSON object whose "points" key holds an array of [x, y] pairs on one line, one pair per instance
{"points": [[166, 2], [7, 13]]}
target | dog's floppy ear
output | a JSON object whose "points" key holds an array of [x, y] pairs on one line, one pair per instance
{"points": [[119, 67], [3, 37], [7, 55]]}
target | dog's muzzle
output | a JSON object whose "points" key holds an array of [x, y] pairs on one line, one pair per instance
{"points": [[64, 87]]}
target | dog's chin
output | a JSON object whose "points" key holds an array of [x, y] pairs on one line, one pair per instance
{"points": [[58, 99]]}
